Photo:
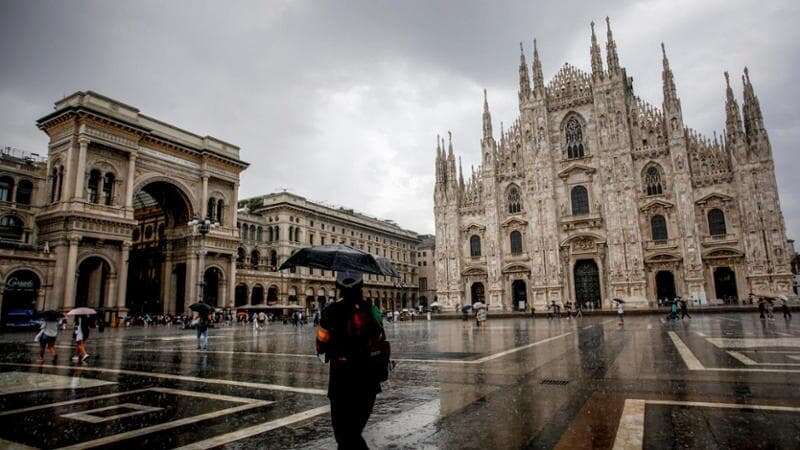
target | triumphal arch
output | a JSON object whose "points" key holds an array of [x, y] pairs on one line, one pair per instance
{"points": [[122, 188]]}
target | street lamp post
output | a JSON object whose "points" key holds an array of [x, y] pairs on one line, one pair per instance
{"points": [[202, 227]]}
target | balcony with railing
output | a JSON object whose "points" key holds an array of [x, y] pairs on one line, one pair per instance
{"points": [[720, 239]]}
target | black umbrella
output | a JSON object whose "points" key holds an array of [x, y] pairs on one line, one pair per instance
{"points": [[51, 315], [201, 308], [618, 300], [339, 257]]}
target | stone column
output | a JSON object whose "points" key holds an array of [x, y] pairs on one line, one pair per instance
{"points": [[122, 272], [204, 198], [167, 299], [201, 269], [65, 189], [233, 207], [131, 175], [71, 275], [231, 283], [80, 172], [191, 279]]}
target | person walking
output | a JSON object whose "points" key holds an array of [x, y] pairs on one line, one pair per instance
{"points": [[81, 336], [620, 310], [47, 337], [347, 333], [202, 331], [684, 309], [787, 313], [578, 310], [762, 308]]}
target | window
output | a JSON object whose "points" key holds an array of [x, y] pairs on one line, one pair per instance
{"points": [[240, 255], [11, 228], [516, 242], [273, 259], [24, 192], [60, 182], [53, 184], [423, 284], [573, 133], [277, 233], [259, 233], [580, 200], [252, 233], [212, 207], [108, 188], [652, 181], [93, 186], [514, 201], [658, 228], [221, 213], [271, 236], [255, 258], [291, 233], [716, 222], [6, 188], [475, 246]]}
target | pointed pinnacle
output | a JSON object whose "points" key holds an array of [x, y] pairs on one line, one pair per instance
{"points": [[727, 80], [535, 48], [747, 74], [663, 51], [608, 26]]}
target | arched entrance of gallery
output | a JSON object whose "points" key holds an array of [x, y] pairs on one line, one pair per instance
{"points": [[272, 295], [257, 296], [725, 284], [240, 295], [519, 295], [587, 284], [162, 211], [20, 292], [93, 283], [212, 285], [665, 285]]}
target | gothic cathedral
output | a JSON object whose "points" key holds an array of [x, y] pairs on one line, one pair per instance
{"points": [[594, 194]]}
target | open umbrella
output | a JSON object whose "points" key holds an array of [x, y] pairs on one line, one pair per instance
{"points": [[466, 308], [478, 305], [201, 308], [82, 311], [618, 300], [434, 305], [51, 315], [386, 267], [338, 257]]}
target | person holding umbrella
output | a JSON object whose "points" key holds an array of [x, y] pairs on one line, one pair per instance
{"points": [[81, 332], [201, 323], [620, 310], [350, 337], [48, 333]]}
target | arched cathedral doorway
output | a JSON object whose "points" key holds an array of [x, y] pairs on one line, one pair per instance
{"points": [[665, 285], [587, 284], [725, 285], [519, 295]]}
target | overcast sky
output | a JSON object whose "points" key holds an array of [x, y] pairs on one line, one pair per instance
{"points": [[341, 101]]}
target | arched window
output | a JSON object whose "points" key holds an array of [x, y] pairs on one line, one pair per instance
{"points": [[108, 188], [573, 133], [258, 234], [652, 181], [516, 242], [6, 189], [475, 245], [658, 228], [93, 186], [716, 222], [277, 233], [273, 259], [24, 192], [211, 212], [580, 200], [252, 233], [11, 228], [53, 184], [240, 255], [514, 200], [271, 237], [297, 234], [60, 182], [221, 211], [291, 234], [255, 258]]}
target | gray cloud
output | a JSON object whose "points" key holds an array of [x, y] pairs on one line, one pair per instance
{"points": [[341, 101]]}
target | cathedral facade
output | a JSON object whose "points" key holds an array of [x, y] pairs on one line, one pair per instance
{"points": [[594, 194]]}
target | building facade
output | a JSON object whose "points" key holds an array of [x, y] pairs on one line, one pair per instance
{"points": [[104, 221], [274, 226], [426, 263], [593, 194]]}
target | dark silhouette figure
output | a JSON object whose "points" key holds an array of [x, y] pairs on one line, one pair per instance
{"points": [[347, 333]]}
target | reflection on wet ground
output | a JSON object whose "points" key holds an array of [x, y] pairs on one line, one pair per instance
{"points": [[713, 381]]}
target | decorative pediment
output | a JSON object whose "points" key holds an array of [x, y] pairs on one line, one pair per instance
{"points": [[474, 227], [576, 167], [581, 240], [719, 253], [657, 203], [514, 221], [662, 258], [515, 268], [474, 271], [714, 196]]}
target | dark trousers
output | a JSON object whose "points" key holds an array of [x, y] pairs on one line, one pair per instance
{"points": [[685, 313], [349, 415]]}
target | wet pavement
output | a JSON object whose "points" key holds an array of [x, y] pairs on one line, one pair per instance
{"points": [[713, 381]]}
